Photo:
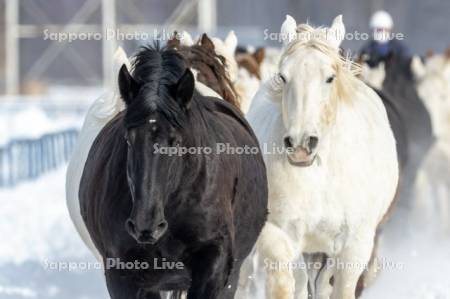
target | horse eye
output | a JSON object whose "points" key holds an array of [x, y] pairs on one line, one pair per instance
{"points": [[282, 78], [330, 79]]}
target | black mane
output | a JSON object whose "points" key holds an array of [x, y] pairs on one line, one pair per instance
{"points": [[156, 70]]}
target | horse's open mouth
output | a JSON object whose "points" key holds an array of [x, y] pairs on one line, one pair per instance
{"points": [[305, 163]]}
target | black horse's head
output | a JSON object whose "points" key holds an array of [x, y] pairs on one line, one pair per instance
{"points": [[157, 97]]}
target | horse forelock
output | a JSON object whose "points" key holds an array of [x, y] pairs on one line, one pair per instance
{"points": [[156, 70], [346, 69]]}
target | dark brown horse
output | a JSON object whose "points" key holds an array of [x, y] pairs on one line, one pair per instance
{"points": [[161, 219], [211, 67]]}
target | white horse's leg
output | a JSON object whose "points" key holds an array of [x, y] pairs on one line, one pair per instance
{"points": [[278, 253], [323, 286], [444, 205], [301, 281], [349, 266], [247, 277]]}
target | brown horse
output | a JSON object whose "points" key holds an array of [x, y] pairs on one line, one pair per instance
{"points": [[251, 61], [210, 67]]}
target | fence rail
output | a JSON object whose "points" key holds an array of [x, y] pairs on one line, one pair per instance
{"points": [[26, 159]]}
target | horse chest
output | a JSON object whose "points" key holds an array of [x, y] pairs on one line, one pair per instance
{"points": [[315, 216], [327, 237]]}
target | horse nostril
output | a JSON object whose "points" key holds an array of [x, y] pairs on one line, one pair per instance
{"points": [[162, 226], [130, 226], [288, 142], [313, 141]]}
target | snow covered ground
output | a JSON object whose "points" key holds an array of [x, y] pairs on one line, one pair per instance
{"points": [[61, 108], [423, 250], [37, 236], [37, 233]]}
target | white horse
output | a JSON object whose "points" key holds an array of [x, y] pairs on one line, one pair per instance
{"points": [[245, 84], [98, 115], [329, 193], [226, 48], [433, 180], [433, 86], [269, 65]]}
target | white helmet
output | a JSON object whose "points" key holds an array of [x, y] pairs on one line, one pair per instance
{"points": [[381, 19]]}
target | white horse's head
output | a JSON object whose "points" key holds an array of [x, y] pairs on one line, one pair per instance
{"points": [[314, 79]]}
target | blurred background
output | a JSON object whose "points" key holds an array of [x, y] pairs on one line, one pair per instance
{"points": [[46, 87]]}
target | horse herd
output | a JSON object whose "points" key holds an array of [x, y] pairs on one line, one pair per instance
{"points": [[353, 138]]}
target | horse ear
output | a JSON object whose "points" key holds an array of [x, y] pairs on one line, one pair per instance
{"points": [[185, 88], [259, 55], [417, 67], [447, 53], [231, 41], [207, 42], [128, 87], [337, 32], [288, 30]]}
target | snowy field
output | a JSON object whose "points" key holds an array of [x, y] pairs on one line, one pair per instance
{"points": [[37, 231], [33, 116]]}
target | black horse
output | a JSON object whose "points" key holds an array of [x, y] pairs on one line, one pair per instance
{"points": [[164, 221], [398, 125], [399, 92], [411, 125]]}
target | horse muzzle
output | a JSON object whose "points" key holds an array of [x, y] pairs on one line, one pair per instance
{"points": [[300, 157], [146, 236], [304, 154]]}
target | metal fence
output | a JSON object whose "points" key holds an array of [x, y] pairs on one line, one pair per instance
{"points": [[26, 159]]}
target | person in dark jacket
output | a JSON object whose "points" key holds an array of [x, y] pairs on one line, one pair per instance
{"points": [[382, 44]]}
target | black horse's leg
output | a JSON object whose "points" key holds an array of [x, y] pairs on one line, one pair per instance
{"points": [[209, 273], [230, 289], [143, 294], [121, 286]]}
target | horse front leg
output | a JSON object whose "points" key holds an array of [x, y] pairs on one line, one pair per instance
{"points": [[349, 266], [301, 279], [210, 272], [123, 286], [278, 254], [321, 284]]}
